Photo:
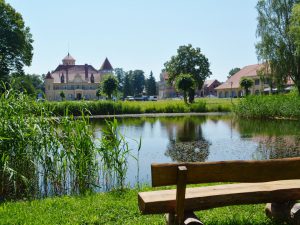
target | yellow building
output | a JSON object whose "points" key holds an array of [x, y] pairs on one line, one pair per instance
{"points": [[75, 81], [231, 88]]}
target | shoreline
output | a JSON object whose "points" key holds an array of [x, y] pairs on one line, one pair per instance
{"points": [[159, 115]]}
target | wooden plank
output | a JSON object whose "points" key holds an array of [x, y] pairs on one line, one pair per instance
{"points": [[228, 171], [180, 193], [156, 202]]}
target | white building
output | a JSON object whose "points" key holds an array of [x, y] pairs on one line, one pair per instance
{"points": [[75, 81]]}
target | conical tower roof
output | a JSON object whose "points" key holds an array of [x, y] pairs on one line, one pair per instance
{"points": [[106, 65]]}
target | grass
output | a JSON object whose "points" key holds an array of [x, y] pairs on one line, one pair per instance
{"points": [[162, 106], [115, 208], [269, 106]]}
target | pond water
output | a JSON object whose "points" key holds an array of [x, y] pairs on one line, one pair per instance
{"points": [[203, 138]]}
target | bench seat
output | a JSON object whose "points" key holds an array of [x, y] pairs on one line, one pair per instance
{"points": [[199, 198]]}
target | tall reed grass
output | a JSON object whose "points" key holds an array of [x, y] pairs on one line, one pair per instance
{"points": [[42, 155], [269, 106]]}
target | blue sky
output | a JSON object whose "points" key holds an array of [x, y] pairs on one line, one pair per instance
{"points": [[140, 34]]}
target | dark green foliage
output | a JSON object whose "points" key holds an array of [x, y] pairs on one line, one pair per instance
{"points": [[127, 88], [62, 95], [246, 83], [31, 84], [277, 46], [184, 83], [188, 60], [15, 42], [138, 82], [233, 71], [109, 85], [271, 106], [151, 85], [120, 74]]}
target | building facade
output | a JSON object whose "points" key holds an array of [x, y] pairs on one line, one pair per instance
{"points": [[76, 82], [231, 88], [209, 88]]}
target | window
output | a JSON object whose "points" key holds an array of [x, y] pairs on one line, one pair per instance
{"points": [[256, 81], [62, 78]]}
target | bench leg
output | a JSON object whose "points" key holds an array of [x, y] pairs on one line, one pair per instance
{"points": [[189, 219], [279, 210]]}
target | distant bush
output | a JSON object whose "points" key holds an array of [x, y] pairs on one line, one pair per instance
{"points": [[269, 106]]}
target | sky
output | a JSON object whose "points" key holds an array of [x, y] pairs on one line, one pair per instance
{"points": [[140, 34]]}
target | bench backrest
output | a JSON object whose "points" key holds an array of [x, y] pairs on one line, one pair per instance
{"points": [[228, 171]]}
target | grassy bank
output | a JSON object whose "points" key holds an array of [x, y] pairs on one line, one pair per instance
{"points": [[269, 106], [115, 208], [119, 107]]}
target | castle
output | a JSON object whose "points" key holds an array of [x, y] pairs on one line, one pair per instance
{"points": [[75, 81]]}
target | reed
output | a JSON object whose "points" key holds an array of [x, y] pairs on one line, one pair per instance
{"points": [[42, 155]]}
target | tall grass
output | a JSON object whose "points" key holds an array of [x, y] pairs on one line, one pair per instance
{"points": [[113, 108], [269, 106], [114, 151], [42, 155]]}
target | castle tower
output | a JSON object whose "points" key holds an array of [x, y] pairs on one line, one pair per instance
{"points": [[106, 67], [49, 86]]}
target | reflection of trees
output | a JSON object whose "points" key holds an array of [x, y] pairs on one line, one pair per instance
{"points": [[273, 147], [187, 143]]}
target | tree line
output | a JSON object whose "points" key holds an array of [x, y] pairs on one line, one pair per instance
{"points": [[130, 83]]}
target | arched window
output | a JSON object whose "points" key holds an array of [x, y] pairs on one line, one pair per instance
{"points": [[92, 78], [62, 78]]}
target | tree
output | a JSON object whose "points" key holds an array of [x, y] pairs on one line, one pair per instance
{"points": [[120, 74], [98, 93], [138, 82], [233, 71], [151, 85], [62, 95], [246, 83], [109, 85], [184, 83], [277, 46], [191, 61], [127, 89], [15, 42], [31, 84], [295, 26]]}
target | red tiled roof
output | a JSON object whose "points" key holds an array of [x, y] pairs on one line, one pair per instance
{"points": [[234, 80], [106, 65]]}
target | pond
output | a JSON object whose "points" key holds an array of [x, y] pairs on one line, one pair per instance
{"points": [[203, 138]]}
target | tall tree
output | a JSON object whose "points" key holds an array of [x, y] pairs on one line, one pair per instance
{"points": [[109, 85], [138, 82], [184, 83], [277, 46], [246, 83], [127, 89], [151, 85], [233, 71], [30, 83], [15, 42], [120, 74], [191, 61]]}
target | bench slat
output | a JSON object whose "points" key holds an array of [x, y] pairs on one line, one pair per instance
{"points": [[157, 202], [228, 171]]}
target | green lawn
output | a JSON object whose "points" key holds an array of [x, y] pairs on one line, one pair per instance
{"points": [[114, 208]]}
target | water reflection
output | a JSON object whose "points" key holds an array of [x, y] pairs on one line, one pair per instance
{"points": [[187, 144]]}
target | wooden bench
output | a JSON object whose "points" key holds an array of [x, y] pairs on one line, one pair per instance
{"points": [[268, 181]]}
